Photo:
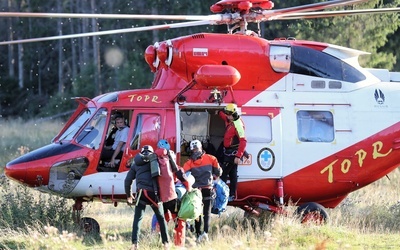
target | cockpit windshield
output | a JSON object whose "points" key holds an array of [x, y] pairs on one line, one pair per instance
{"points": [[71, 131], [92, 135]]}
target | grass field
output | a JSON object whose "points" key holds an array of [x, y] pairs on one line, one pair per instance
{"points": [[367, 219]]}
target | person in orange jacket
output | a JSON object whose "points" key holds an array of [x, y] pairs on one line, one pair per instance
{"points": [[204, 168], [234, 145]]}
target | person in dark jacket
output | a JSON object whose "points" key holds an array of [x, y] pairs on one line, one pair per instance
{"points": [[146, 194]]}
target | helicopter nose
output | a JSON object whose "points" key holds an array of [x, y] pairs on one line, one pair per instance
{"points": [[15, 173], [31, 174]]}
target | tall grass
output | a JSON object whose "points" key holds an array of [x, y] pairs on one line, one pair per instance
{"points": [[18, 136], [367, 219]]}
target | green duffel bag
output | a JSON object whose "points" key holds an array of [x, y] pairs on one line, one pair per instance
{"points": [[191, 205]]}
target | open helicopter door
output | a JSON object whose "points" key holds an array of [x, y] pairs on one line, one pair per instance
{"points": [[263, 132], [198, 121], [145, 128]]}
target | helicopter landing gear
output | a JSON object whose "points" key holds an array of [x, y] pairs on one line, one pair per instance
{"points": [[312, 212], [89, 226]]}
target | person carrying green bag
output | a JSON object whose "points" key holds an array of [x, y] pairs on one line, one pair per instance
{"points": [[204, 168]]}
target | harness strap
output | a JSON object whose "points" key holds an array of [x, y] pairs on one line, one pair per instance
{"points": [[138, 197], [150, 199], [230, 153]]}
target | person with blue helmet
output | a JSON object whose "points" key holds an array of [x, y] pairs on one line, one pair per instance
{"points": [[170, 174]]}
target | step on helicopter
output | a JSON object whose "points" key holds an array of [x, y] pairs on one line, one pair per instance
{"points": [[305, 105]]}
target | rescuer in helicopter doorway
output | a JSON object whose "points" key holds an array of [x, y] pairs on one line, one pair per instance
{"points": [[233, 146]]}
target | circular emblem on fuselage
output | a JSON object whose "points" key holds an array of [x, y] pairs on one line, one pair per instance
{"points": [[266, 159]]}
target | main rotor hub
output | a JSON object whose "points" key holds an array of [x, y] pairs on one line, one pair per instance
{"points": [[241, 6]]}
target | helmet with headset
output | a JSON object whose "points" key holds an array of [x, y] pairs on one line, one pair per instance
{"points": [[146, 150], [230, 109], [196, 144]]}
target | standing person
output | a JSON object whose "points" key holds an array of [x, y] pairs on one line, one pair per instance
{"points": [[111, 153], [145, 195], [234, 145], [170, 174], [204, 168]]}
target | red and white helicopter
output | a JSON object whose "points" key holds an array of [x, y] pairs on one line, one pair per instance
{"points": [[318, 125]]}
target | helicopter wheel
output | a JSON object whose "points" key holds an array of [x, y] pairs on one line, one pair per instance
{"points": [[312, 212], [89, 226]]}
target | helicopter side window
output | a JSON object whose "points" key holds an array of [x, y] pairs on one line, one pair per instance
{"points": [[147, 130], [311, 62], [258, 128], [76, 125], [92, 135], [315, 126]]}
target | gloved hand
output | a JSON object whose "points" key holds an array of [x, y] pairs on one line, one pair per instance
{"points": [[131, 201], [187, 186]]}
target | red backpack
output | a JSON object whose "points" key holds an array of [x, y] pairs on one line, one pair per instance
{"points": [[166, 179]]}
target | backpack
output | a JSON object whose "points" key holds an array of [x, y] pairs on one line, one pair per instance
{"points": [[166, 178], [191, 205], [221, 200]]}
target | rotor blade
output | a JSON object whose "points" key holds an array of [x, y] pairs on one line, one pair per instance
{"points": [[110, 32], [112, 16], [319, 14], [270, 14]]}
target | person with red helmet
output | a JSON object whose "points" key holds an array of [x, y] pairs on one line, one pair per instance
{"points": [[234, 145]]}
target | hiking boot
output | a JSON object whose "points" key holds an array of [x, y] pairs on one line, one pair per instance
{"points": [[202, 237], [166, 246], [231, 198]]}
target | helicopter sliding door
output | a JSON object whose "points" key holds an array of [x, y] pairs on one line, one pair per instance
{"points": [[263, 134]]}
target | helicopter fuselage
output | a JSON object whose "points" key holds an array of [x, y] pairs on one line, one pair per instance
{"points": [[316, 121]]}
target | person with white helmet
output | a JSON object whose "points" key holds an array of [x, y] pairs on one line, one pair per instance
{"points": [[146, 194], [204, 168], [234, 145]]}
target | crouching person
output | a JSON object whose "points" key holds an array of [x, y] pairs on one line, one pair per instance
{"points": [[146, 194]]}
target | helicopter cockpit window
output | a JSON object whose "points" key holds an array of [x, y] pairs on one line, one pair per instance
{"points": [[279, 57], [315, 126], [76, 125], [311, 62], [92, 135], [147, 130]]}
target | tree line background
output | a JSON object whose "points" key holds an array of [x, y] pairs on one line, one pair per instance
{"points": [[38, 79]]}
